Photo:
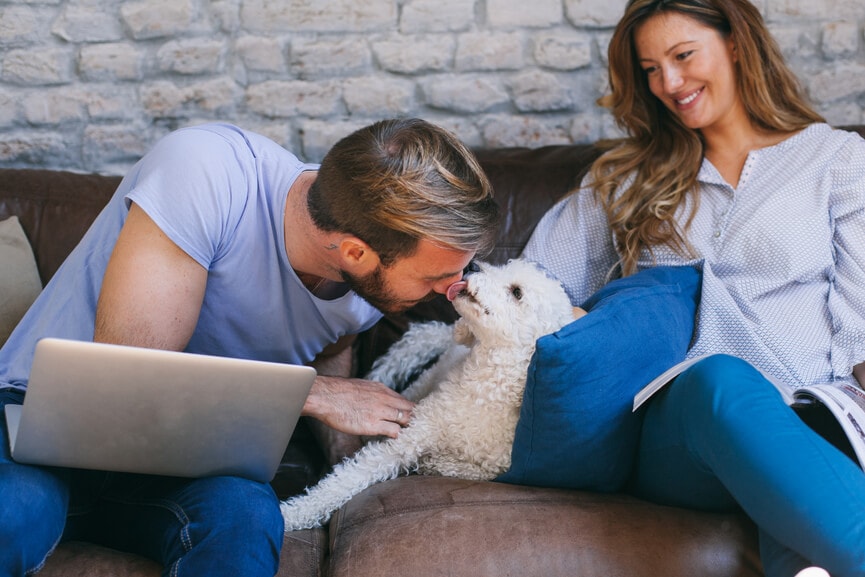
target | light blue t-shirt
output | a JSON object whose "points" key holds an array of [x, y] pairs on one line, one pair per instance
{"points": [[219, 193]]}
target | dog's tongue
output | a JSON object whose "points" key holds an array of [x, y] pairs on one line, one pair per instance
{"points": [[456, 289]]}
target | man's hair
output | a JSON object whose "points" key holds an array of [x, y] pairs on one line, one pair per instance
{"points": [[398, 181], [660, 153]]}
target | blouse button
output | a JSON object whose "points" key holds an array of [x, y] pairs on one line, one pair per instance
{"points": [[717, 234]]}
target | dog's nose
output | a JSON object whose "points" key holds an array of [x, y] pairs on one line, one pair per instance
{"points": [[472, 267]]}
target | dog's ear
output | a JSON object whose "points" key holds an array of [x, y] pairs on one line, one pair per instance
{"points": [[463, 333]]}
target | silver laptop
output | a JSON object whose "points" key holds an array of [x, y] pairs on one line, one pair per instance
{"points": [[136, 410]]}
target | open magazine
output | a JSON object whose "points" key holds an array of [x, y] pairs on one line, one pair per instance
{"points": [[845, 402]]}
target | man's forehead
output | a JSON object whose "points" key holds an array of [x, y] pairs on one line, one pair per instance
{"points": [[435, 262]]}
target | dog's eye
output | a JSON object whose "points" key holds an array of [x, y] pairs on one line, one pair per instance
{"points": [[517, 292]]}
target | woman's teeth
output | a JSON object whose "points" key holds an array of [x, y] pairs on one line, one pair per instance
{"points": [[689, 99]]}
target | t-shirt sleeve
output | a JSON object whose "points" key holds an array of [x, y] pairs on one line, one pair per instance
{"points": [[193, 184]]}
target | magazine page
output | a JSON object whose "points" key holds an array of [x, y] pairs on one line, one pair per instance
{"points": [[847, 403], [658, 382], [661, 380]]}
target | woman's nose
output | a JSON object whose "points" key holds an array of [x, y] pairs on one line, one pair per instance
{"points": [[672, 79]]}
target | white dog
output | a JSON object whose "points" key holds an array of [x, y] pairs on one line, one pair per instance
{"points": [[463, 425]]}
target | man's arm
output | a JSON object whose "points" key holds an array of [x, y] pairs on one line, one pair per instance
{"points": [[353, 406], [152, 290]]}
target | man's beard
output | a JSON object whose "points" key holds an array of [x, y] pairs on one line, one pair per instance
{"points": [[373, 289]]}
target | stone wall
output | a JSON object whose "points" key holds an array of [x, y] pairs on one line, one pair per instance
{"points": [[91, 84]]}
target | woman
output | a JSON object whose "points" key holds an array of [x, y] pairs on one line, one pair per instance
{"points": [[726, 165]]}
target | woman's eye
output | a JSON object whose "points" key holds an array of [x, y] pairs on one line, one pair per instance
{"points": [[517, 292], [684, 55]]}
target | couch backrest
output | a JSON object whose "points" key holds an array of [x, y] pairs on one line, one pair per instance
{"points": [[55, 209]]}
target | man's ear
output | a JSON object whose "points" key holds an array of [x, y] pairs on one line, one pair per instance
{"points": [[357, 256]]}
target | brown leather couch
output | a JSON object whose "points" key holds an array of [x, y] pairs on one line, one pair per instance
{"points": [[425, 525]]}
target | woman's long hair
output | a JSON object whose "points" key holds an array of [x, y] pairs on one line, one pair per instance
{"points": [[660, 157]]}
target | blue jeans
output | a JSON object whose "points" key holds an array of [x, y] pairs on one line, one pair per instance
{"points": [[720, 437], [211, 526]]}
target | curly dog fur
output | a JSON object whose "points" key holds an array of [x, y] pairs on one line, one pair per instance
{"points": [[469, 400]]}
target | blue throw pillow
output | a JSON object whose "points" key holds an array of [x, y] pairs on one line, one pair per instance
{"points": [[576, 428]]}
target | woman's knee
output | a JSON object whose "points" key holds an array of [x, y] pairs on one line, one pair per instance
{"points": [[719, 382]]}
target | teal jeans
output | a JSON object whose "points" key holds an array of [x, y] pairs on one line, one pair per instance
{"points": [[720, 438]]}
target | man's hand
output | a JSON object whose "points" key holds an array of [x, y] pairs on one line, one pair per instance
{"points": [[358, 406]]}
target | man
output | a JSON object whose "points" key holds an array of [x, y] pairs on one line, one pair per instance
{"points": [[221, 242]]}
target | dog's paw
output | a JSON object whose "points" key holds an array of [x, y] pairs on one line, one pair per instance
{"points": [[297, 516]]}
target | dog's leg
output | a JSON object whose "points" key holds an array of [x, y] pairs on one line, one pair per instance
{"points": [[420, 345], [374, 463]]}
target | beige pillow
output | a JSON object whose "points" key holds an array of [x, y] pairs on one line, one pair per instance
{"points": [[19, 278]]}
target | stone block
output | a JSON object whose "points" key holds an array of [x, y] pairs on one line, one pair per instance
{"points": [[806, 11], [490, 51], [415, 54], [21, 25], [318, 16], [594, 13], [464, 128], [226, 14], [111, 101], [424, 16], [219, 94], [157, 18], [8, 108], [536, 91], [38, 148], [88, 22], [191, 56], [522, 14], [319, 136], [840, 40], [464, 94], [261, 53], [837, 83], [334, 57], [38, 66], [53, 106], [108, 145], [112, 61], [277, 98], [796, 44], [161, 98], [504, 130], [563, 51], [374, 96]]}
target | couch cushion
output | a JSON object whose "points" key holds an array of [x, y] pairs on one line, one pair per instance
{"points": [[443, 526], [19, 283], [576, 427]]}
